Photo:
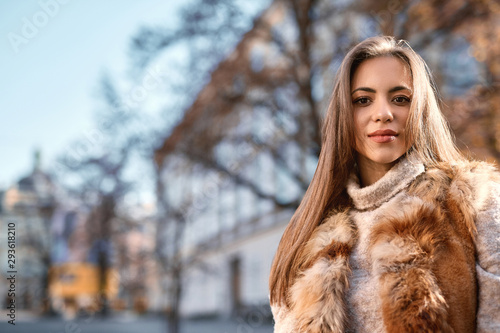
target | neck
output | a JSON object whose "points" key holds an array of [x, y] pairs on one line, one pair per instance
{"points": [[370, 171]]}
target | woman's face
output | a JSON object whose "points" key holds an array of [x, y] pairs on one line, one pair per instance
{"points": [[381, 92]]}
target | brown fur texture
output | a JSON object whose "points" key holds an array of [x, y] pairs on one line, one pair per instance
{"points": [[422, 254], [404, 250], [324, 280], [457, 193]]}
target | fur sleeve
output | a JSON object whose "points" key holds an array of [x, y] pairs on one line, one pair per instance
{"points": [[488, 261], [283, 320], [316, 297]]}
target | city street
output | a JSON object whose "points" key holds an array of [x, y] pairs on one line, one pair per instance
{"points": [[124, 325]]}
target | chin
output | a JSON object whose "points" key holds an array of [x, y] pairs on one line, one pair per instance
{"points": [[385, 158]]}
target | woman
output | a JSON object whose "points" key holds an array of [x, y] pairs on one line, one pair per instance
{"points": [[397, 231]]}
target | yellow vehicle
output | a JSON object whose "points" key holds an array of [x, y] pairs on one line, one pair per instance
{"points": [[74, 287]]}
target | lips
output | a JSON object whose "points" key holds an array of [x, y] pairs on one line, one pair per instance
{"points": [[383, 136]]}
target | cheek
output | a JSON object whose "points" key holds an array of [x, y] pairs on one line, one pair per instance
{"points": [[356, 122], [408, 139], [358, 130], [358, 125], [404, 118]]}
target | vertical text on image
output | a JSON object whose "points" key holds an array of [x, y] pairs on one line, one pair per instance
{"points": [[11, 272]]}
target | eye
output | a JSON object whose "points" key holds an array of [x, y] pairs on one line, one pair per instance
{"points": [[362, 101], [401, 99]]}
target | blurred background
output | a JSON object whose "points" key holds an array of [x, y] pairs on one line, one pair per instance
{"points": [[154, 151]]}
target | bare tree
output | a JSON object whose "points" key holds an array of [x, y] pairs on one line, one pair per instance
{"points": [[472, 90], [277, 79], [97, 177]]}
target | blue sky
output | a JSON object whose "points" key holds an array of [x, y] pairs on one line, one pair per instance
{"points": [[47, 87]]}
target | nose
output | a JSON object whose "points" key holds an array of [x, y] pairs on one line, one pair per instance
{"points": [[382, 112]]}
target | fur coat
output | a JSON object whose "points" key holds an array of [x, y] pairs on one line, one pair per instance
{"points": [[418, 251]]}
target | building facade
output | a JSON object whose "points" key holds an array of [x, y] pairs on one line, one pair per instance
{"points": [[26, 208], [234, 169]]}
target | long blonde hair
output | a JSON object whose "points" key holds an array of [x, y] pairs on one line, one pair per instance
{"points": [[427, 132]]}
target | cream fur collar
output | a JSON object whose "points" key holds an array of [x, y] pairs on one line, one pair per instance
{"points": [[395, 180]]}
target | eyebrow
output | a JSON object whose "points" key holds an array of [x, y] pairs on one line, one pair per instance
{"points": [[397, 88]]}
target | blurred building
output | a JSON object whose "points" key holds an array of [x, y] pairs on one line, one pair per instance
{"points": [[74, 273], [56, 257], [76, 281], [29, 205], [134, 243], [234, 169]]}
